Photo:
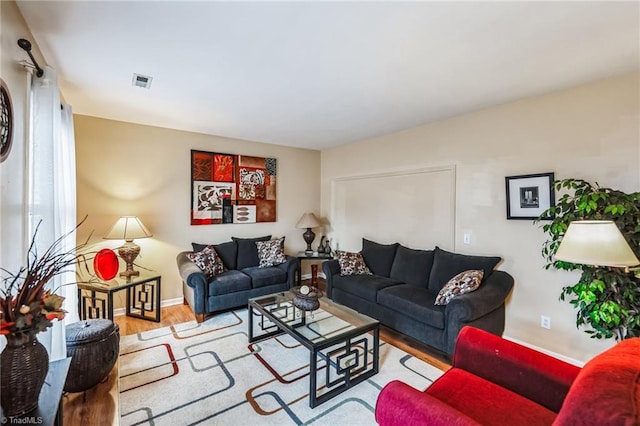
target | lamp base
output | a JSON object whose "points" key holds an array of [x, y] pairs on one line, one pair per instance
{"points": [[128, 252], [309, 236]]}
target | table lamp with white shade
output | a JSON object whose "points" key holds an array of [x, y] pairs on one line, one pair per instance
{"points": [[128, 228], [308, 221]]}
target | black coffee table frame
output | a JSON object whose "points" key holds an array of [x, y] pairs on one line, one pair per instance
{"points": [[276, 315]]}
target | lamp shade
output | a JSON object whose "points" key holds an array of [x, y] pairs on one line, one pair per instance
{"points": [[128, 228], [308, 220], [595, 242]]}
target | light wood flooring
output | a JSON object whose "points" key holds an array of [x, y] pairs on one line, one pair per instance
{"points": [[99, 406]]}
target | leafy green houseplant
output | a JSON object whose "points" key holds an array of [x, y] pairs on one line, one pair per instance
{"points": [[607, 299]]}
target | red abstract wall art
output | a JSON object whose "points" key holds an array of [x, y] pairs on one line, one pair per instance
{"points": [[230, 188]]}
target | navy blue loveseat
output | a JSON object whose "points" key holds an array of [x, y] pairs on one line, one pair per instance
{"points": [[242, 280], [403, 287]]}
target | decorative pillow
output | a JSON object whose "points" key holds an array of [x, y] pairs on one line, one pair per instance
{"points": [[228, 252], [208, 260], [270, 252], [352, 263], [248, 251], [412, 266], [464, 282], [447, 265], [378, 257]]}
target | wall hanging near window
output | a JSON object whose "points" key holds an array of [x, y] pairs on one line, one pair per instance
{"points": [[6, 121], [229, 188], [528, 196]]}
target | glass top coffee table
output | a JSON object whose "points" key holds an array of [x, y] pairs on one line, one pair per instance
{"points": [[343, 344]]}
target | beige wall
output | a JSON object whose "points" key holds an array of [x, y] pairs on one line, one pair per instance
{"points": [[129, 169], [589, 132], [13, 234]]}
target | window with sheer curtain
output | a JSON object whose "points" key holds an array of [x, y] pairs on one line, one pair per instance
{"points": [[52, 191]]}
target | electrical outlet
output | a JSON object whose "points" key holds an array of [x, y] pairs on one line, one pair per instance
{"points": [[545, 322]]}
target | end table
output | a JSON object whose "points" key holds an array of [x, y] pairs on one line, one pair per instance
{"points": [[143, 297], [302, 256]]}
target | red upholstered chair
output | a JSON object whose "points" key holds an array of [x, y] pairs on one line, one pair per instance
{"points": [[494, 381]]}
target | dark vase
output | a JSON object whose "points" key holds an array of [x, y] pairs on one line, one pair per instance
{"points": [[321, 245], [24, 363], [327, 247]]}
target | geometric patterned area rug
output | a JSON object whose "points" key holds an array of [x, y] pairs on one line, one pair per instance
{"points": [[208, 373]]}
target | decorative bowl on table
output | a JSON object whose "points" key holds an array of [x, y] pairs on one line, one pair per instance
{"points": [[306, 298]]}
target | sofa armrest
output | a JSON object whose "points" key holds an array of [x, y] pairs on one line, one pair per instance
{"points": [[483, 308], [532, 374], [290, 267], [400, 404], [330, 268], [194, 279], [487, 298]]}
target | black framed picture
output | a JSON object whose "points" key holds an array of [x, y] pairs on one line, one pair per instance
{"points": [[528, 196]]}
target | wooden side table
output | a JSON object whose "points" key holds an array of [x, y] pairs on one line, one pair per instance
{"points": [[302, 256], [143, 297]]}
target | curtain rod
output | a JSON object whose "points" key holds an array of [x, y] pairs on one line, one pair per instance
{"points": [[26, 46]]}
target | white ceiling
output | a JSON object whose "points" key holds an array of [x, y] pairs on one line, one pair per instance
{"points": [[322, 74]]}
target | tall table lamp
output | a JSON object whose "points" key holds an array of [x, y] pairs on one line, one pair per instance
{"points": [[308, 220], [598, 243], [128, 228]]}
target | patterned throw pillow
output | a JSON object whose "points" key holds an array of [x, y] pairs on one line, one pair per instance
{"points": [[208, 260], [352, 263], [464, 282], [270, 252]]}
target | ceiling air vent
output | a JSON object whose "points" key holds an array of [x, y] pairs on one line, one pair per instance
{"points": [[143, 81]]}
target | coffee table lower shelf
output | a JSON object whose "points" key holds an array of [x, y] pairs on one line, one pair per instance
{"points": [[348, 357]]}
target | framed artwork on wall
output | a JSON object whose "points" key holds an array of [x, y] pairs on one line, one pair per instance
{"points": [[528, 196], [230, 188], [6, 121]]}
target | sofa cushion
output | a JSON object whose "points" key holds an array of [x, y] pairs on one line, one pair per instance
{"points": [[486, 402], [227, 251], [378, 257], [447, 265], [464, 282], [262, 277], [270, 253], [412, 266], [208, 261], [248, 251], [352, 263], [413, 301], [229, 282], [606, 390], [364, 286]]}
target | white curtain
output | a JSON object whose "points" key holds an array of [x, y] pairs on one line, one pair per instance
{"points": [[52, 192]]}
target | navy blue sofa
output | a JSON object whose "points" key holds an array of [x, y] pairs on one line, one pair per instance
{"points": [[242, 280], [405, 282]]}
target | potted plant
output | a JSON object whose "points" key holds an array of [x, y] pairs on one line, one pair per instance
{"points": [[27, 308], [607, 299]]}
